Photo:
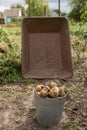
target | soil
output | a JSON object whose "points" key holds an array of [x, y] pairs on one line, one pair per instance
{"points": [[17, 110]]}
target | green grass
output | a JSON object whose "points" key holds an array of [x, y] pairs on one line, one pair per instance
{"points": [[14, 30], [74, 125], [77, 27]]}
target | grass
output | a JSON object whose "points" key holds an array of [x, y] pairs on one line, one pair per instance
{"points": [[75, 26], [79, 29], [74, 125], [14, 30]]}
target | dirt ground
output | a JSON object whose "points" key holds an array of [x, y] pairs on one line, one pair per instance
{"points": [[17, 111]]}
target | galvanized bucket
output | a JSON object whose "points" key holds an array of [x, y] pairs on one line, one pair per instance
{"points": [[49, 110]]}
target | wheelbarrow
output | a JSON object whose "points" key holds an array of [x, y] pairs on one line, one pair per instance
{"points": [[46, 49]]}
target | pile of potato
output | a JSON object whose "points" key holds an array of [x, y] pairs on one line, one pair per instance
{"points": [[52, 90]]}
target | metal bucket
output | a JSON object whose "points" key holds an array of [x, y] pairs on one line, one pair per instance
{"points": [[49, 110], [46, 50]]}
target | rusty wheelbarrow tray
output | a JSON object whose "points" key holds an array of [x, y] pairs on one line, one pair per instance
{"points": [[46, 50]]}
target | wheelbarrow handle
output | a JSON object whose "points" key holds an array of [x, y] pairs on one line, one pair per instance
{"points": [[45, 8]]}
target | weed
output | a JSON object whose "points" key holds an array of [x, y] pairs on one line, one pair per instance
{"points": [[74, 125]]}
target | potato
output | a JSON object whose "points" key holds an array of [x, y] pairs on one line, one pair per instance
{"points": [[43, 93], [54, 92], [38, 93], [62, 92], [38, 88], [47, 87], [52, 84], [56, 88], [65, 89], [51, 91]]}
